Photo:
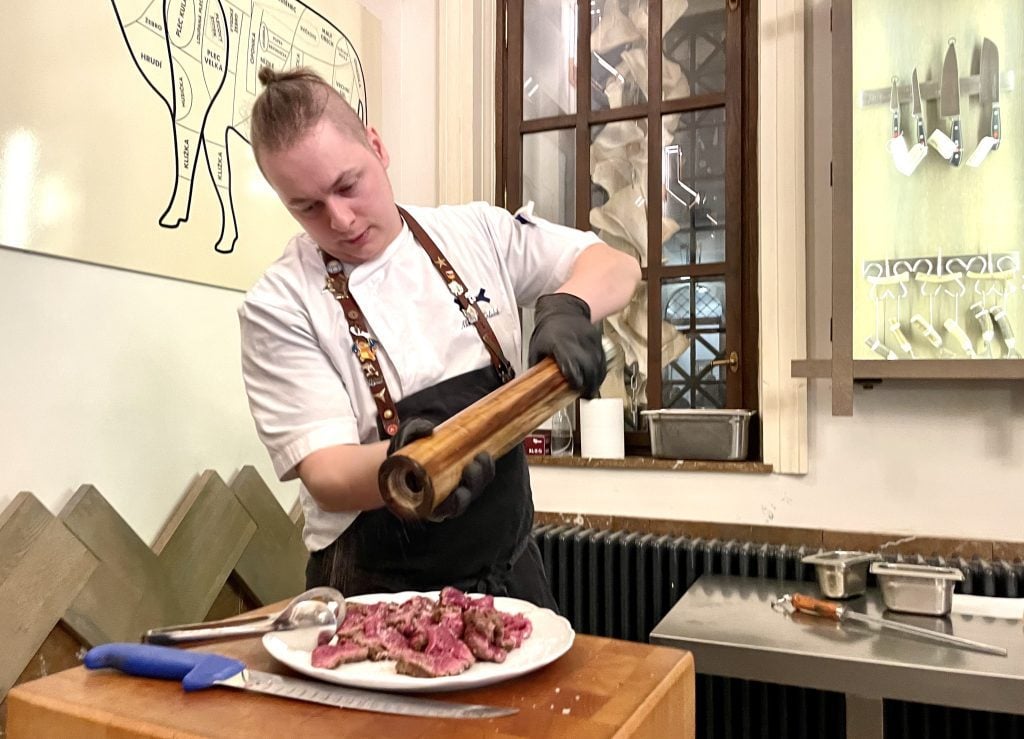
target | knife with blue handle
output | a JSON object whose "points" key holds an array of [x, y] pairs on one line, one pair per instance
{"points": [[200, 670]]}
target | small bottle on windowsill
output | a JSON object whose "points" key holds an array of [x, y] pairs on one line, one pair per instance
{"points": [[561, 434]]}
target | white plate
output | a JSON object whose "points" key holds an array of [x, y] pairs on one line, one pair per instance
{"points": [[551, 638]]}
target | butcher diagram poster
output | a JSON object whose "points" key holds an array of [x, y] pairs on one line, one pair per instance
{"points": [[124, 131]]}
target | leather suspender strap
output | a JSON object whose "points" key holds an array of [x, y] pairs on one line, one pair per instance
{"points": [[466, 303], [364, 346]]}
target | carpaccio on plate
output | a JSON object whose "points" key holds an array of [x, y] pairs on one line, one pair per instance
{"points": [[425, 637]]}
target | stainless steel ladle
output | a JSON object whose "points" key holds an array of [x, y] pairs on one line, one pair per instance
{"points": [[321, 608]]}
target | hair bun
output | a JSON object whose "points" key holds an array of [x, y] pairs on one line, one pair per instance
{"points": [[267, 75]]}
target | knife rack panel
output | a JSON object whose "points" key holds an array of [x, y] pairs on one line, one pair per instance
{"points": [[927, 209], [87, 575], [969, 87]]}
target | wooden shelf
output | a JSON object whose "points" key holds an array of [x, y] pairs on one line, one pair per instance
{"points": [[917, 369]]}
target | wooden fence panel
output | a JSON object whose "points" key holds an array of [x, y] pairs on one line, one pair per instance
{"points": [[85, 577]]}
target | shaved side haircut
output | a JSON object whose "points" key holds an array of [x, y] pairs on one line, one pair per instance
{"points": [[291, 103]]}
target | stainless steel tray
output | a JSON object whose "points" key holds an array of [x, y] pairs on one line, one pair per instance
{"points": [[841, 573], [923, 589], [699, 433]]}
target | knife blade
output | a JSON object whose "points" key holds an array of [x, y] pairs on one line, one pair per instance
{"points": [[949, 99], [199, 670], [916, 110], [989, 74], [836, 612], [894, 109]]}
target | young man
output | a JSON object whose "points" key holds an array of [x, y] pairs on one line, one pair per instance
{"points": [[377, 323]]}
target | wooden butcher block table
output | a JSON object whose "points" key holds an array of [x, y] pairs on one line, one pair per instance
{"points": [[599, 688]]}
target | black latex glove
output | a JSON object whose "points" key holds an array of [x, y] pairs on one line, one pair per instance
{"points": [[562, 329], [476, 475]]}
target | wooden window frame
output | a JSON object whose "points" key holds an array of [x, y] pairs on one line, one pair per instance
{"points": [[739, 99], [786, 169]]}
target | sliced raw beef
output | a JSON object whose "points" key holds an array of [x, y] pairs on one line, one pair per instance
{"points": [[515, 628], [444, 655], [426, 638], [342, 653], [450, 617], [454, 597], [386, 644]]}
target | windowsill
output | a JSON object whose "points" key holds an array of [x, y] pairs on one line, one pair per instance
{"points": [[650, 463]]}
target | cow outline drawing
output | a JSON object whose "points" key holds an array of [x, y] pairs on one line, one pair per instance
{"points": [[202, 58]]}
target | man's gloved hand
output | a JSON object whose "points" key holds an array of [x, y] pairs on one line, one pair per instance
{"points": [[562, 329], [476, 475], [410, 430]]}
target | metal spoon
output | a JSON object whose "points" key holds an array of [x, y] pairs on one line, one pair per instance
{"points": [[319, 608]]}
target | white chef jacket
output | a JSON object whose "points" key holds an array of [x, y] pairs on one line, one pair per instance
{"points": [[305, 386]]}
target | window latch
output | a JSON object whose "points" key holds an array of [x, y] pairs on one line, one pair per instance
{"points": [[732, 361]]}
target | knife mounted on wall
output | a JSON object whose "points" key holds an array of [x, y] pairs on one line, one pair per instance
{"points": [[917, 109], [990, 90], [949, 100]]}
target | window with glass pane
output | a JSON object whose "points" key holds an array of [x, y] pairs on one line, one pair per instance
{"points": [[618, 186], [549, 171], [680, 203], [549, 58], [618, 53], [693, 44], [696, 310], [693, 186]]}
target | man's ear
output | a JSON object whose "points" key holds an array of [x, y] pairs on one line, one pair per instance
{"points": [[376, 143]]}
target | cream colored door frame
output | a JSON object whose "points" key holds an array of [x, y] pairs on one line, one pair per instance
{"points": [[465, 126]]}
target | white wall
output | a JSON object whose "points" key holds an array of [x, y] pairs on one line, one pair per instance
{"points": [[125, 381], [131, 382], [941, 459]]}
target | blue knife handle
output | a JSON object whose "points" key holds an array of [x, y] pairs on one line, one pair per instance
{"points": [[997, 127], [196, 670], [957, 136]]}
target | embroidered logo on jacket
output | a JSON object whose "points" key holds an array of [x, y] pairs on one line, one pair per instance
{"points": [[472, 312]]}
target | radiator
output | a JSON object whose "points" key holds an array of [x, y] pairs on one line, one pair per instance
{"points": [[620, 584]]}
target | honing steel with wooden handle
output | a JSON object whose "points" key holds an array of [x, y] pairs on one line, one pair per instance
{"points": [[836, 612], [420, 476]]}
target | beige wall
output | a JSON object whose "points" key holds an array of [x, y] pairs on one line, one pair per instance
{"points": [[131, 382]]}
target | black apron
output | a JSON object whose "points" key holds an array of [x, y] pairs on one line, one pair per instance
{"points": [[488, 549]]}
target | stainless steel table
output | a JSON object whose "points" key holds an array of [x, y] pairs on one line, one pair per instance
{"points": [[729, 626]]}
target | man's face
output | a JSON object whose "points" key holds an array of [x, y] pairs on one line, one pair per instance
{"points": [[338, 190]]}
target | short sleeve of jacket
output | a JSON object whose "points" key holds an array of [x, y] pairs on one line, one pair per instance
{"points": [[296, 396], [538, 254]]}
